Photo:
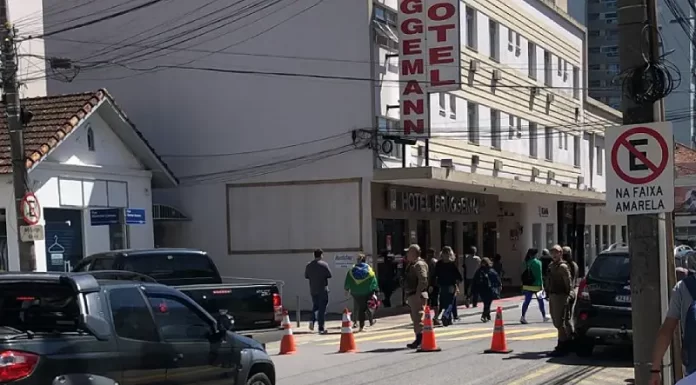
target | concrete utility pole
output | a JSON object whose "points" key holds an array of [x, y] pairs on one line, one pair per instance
{"points": [[10, 96], [643, 230]]}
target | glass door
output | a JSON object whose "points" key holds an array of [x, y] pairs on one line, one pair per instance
{"points": [[470, 236], [64, 246], [391, 236], [490, 239]]}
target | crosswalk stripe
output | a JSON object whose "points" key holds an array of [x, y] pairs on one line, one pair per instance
{"points": [[442, 334], [370, 337], [477, 336], [533, 337]]}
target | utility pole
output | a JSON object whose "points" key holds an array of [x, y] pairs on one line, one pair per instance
{"points": [[10, 96], [643, 230]]}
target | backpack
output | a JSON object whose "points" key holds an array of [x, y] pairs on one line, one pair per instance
{"points": [[527, 277], [689, 337]]}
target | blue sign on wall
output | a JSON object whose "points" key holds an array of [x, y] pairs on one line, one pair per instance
{"points": [[105, 217], [135, 216]]}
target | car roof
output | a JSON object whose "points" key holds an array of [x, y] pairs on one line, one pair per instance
{"points": [[82, 282], [135, 252]]}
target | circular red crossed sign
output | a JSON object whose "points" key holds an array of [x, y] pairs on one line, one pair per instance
{"points": [[656, 170], [31, 211]]}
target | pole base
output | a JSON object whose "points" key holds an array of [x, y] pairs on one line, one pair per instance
{"points": [[490, 351]]}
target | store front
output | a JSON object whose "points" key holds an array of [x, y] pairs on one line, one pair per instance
{"points": [[433, 219]]}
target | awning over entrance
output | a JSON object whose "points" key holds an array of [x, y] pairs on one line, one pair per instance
{"points": [[507, 189], [164, 213]]}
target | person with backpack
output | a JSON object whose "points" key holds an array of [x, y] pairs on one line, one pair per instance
{"points": [[532, 284], [486, 285], [448, 278], [361, 284], [681, 312]]}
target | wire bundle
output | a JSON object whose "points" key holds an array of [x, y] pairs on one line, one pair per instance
{"points": [[651, 81]]}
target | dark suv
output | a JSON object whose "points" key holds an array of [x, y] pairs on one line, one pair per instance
{"points": [[603, 309], [95, 328]]}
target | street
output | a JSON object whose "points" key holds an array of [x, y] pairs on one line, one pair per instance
{"points": [[383, 358]]}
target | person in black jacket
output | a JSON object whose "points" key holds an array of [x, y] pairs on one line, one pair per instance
{"points": [[433, 289], [448, 278]]}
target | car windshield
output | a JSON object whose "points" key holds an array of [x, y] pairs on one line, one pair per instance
{"points": [[37, 308], [611, 267]]}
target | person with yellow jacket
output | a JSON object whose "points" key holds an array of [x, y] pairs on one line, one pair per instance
{"points": [[361, 284]]}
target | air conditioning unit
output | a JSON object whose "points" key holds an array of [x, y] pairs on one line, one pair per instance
{"points": [[551, 175], [535, 172], [497, 165], [474, 65], [550, 98], [475, 160], [446, 163], [497, 75], [421, 150]]}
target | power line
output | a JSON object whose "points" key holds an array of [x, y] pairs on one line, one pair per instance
{"points": [[98, 20]]}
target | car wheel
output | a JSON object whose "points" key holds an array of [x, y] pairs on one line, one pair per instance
{"points": [[259, 379], [584, 347]]}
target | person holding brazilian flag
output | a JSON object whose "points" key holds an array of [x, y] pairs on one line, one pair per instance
{"points": [[361, 284]]}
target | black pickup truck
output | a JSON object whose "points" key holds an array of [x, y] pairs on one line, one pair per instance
{"points": [[254, 307], [76, 329]]}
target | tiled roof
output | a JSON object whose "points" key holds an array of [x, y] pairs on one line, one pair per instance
{"points": [[684, 160], [54, 117]]}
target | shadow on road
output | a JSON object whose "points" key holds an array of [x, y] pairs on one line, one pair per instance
{"points": [[605, 357], [386, 350]]}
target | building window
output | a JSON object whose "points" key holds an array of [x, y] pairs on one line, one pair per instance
{"points": [[613, 68], [565, 141], [471, 40], [593, 50], [453, 106], [548, 133], [511, 39], [494, 41], [518, 45], [495, 129], [550, 232], [441, 102], [560, 66], [595, 83], [90, 139], [384, 26], [560, 139], [532, 60], [548, 71], [533, 140], [576, 82], [593, 16], [600, 160], [386, 126], [576, 151], [472, 116], [624, 234], [511, 127], [594, 33]]}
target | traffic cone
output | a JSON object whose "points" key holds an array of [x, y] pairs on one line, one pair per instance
{"points": [[428, 343], [347, 339], [287, 343], [499, 342]]}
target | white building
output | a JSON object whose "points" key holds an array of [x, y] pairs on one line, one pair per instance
{"points": [[87, 164], [268, 135]]}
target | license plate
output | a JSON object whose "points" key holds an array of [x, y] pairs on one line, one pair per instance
{"points": [[623, 298]]}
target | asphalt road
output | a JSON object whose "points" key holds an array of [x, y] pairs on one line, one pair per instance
{"points": [[383, 358]]}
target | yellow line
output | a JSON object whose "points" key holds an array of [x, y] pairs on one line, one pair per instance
{"points": [[477, 336], [467, 331], [535, 337], [534, 375], [370, 337], [438, 335]]}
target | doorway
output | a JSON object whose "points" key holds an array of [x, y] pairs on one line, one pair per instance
{"points": [[391, 236], [64, 239], [490, 239], [470, 236], [423, 236], [447, 235]]}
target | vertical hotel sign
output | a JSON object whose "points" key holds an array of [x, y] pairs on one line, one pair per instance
{"points": [[429, 58]]}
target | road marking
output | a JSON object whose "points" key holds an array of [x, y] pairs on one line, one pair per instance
{"points": [[607, 376], [477, 336], [541, 336], [548, 368], [371, 337], [438, 335]]}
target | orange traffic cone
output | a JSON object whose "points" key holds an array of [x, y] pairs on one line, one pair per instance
{"points": [[428, 343], [347, 339], [499, 343], [287, 343]]}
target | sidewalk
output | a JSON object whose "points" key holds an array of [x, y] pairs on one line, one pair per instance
{"points": [[398, 317]]}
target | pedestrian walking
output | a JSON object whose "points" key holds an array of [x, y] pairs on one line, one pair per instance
{"points": [[416, 288], [558, 286], [318, 273], [681, 312], [532, 284], [487, 286], [472, 262], [433, 289], [574, 272], [448, 278], [361, 284]]}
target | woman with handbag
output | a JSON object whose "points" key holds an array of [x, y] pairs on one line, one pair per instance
{"points": [[487, 285], [532, 284]]}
